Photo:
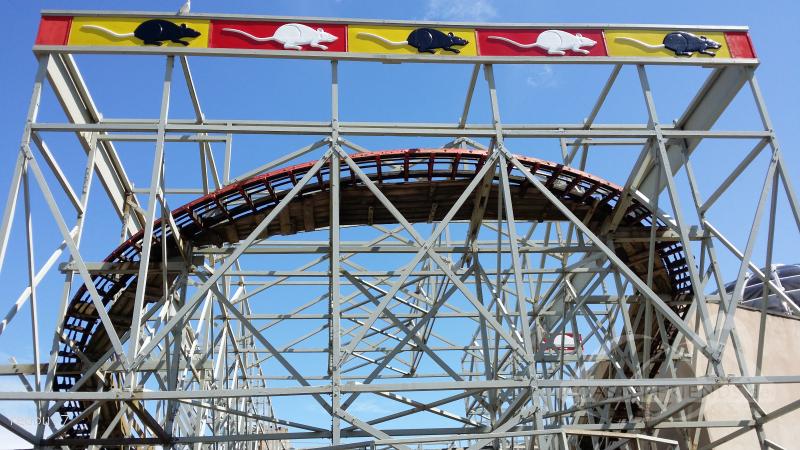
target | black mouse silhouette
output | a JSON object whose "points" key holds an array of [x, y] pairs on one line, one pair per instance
{"points": [[425, 40], [154, 32], [682, 43]]}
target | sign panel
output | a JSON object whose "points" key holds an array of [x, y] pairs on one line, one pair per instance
{"points": [[522, 42], [362, 39], [740, 45], [411, 41], [278, 35], [132, 31], [667, 44], [53, 30]]}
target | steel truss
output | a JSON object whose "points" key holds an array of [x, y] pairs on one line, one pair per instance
{"points": [[516, 253]]}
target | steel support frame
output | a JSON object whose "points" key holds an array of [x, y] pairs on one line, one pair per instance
{"points": [[175, 347]]}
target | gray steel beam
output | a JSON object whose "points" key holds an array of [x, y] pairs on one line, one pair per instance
{"points": [[150, 217], [411, 386], [394, 129]]}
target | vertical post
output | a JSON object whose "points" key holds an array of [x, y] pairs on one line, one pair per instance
{"points": [[525, 328], [765, 292], [226, 165], [16, 178], [147, 239], [173, 304], [498, 293], [666, 170], [648, 311], [32, 285], [334, 258], [31, 276], [780, 171], [793, 204], [204, 170]]}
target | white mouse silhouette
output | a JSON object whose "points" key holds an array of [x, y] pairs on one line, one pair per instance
{"points": [[293, 36], [555, 42]]}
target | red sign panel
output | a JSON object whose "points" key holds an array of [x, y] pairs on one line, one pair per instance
{"points": [[550, 43], [278, 36], [53, 30], [740, 45]]}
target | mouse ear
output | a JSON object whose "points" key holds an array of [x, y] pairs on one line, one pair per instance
{"points": [[183, 25], [450, 33], [320, 30], [578, 35]]}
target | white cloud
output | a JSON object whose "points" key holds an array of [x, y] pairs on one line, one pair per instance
{"points": [[541, 75], [460, 10], [368, 406]]}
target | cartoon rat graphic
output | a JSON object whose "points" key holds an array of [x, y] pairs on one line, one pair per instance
{"points": [[153, 32], [681, 43], [293, 36], [555, 42], [425, 40]]}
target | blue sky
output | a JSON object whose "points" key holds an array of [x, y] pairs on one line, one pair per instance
{"points": [[298, 90]]}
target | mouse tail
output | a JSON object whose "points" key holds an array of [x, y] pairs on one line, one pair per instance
{"points": [[106, 31], [248, 35], [513, 42], [638, 42], [381, 38]]}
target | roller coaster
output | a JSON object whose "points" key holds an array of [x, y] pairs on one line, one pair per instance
{"points": [[471, 295]]}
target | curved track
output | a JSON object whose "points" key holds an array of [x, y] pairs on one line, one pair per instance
{"points": [[412, 179]]}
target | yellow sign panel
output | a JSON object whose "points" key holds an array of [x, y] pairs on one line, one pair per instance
{"points": [[651, 43], [121, 32], [400, 40]]}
